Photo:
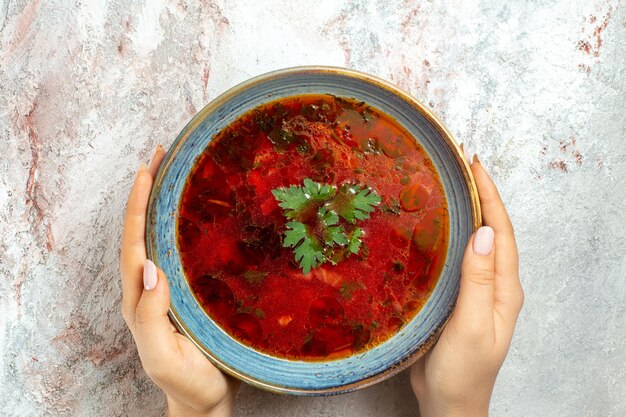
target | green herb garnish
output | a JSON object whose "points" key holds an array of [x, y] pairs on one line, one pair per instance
{"points": [[308, 252], [254, 277], [355, 203], [294, 200], [347, 288], [260, 314], [392, 208], [281, 137], [333, 234], [322, 220], [398, 266], [354, 242]]}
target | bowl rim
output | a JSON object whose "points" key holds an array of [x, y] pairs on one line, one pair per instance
{"points": [[285, 72]]}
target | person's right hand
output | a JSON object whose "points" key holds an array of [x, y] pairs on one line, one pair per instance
{"points": [[194, 387], [457, 376]]}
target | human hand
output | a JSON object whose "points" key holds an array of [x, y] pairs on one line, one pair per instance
{"points": [[457, 376], [194, 387]]}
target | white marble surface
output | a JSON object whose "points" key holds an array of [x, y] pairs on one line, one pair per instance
{"points": [[87, 88]]}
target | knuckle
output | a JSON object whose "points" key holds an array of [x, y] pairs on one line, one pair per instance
{"points": [[481, 275], [142, 314]]}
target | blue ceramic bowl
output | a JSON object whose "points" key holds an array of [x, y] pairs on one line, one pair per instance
{"points": [[320, 377]]}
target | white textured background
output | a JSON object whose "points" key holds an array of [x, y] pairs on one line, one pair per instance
{"points": [[537, 88]]}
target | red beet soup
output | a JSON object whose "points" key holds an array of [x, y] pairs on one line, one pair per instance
{"points": [[313, 227]]}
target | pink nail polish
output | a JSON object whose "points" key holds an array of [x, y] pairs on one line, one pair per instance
{"points": [[467, 154], [483, 241], [149, 275]]}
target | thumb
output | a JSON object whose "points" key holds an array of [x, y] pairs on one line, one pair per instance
{"points": [[153, 331], [475, 302]]}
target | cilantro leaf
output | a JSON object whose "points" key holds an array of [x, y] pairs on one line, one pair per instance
{"points": [[354, 240], [333, 235], [296, 200], [308, 256], [291, 199], [307, 251], [297, 231], [365, 202], [319, 192], [318, 214], [354, 203], [329, 218]]}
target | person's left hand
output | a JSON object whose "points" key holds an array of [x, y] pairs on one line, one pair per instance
{"points": [[456, 377], [194, 387]]}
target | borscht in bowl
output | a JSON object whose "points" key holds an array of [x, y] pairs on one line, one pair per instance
{"points": [[311, 223]]}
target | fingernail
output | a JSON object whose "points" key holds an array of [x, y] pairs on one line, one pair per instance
{"points": [[475, 158], [153, 153], [467, 154], [149, 275], [483, 241]]}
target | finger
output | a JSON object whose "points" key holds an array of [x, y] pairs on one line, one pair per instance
{"points": [[133, 251], [495, 215], [155, 161], [508, 295], [508, 290], [153, 334], [474, 309]]}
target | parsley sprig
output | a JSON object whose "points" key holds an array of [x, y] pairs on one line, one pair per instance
{"points": [[308, 252], [315, 229], [355, 203], [295, 200]]}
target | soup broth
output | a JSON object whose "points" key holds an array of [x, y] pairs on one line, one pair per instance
{"points": [[232, 231]]}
